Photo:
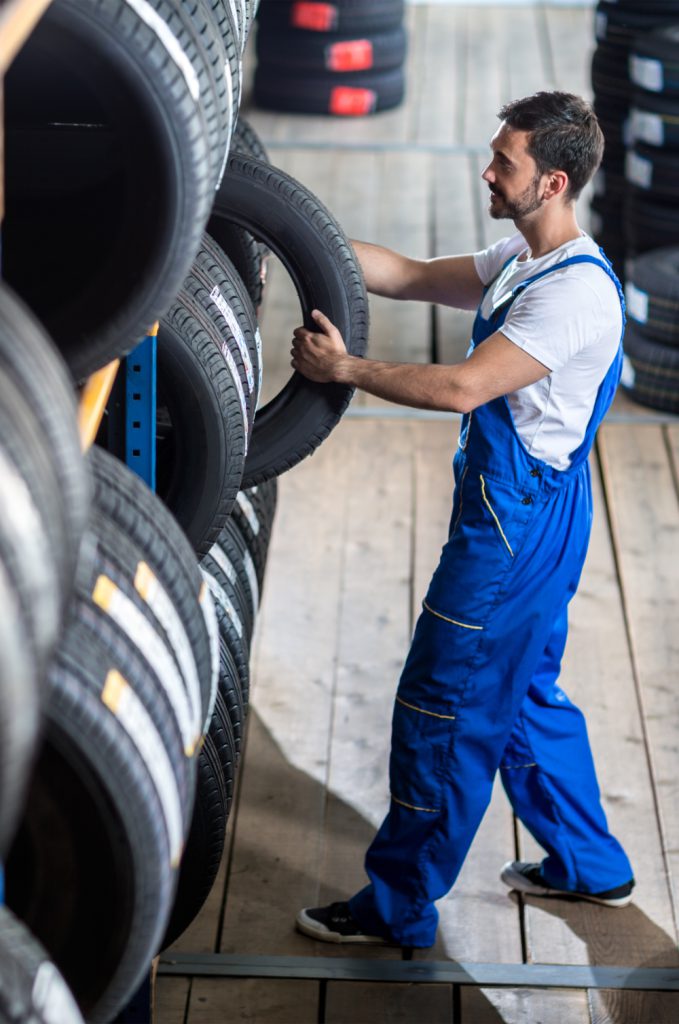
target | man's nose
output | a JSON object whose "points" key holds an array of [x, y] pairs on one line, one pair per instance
{"points": [[487, 174]]}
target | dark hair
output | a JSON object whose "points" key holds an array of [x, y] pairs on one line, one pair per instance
{"points": [[564, 135]]}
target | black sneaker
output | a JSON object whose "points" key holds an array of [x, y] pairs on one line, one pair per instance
{"points": [[334, 924], [524, 877]]}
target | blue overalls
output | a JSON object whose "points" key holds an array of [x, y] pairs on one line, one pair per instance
{"points": [[479, 691]]}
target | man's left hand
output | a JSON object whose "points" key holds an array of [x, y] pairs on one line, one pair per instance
{"points": [[319, 355]]}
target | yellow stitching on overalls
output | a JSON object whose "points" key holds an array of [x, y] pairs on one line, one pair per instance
{"points": [[492, 512], [422, 710], [462, 447], [465, 625], [412, 807], [459, 514]]}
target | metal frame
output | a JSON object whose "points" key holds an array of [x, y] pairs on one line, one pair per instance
{"points": [[655, 979]]}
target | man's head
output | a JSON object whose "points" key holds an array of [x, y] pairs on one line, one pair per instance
{"points": [[548, 146]]}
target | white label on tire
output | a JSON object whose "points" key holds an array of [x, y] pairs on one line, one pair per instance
{"points": [[222, 599], [207, 605], [251, 574], [118, 606], [647, 73], [638, 170], [123, 702], [248, 510], [156, 597], [170, 42], [628, 375], [238, 336], [600, 26], [233, 369], [647, 127], [52, 998], [637, 303], [223, 562]]}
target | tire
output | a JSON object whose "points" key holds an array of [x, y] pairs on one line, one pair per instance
{"points": [[35, 368], [247, 142], [610, 79], [205, 842], [202, 422], [326, 274], [653, 171], [31, 988], [124, 498], [331, 53], [93, 867], [232, 632], [253, 516], [356, 95], [652, 295], [224, 571], [649, 225], [143, 182], [232, 696], [339, 16], [234, 547], [654, 120], [654, 375], [653, 60], [613, 117], [620, 25]]}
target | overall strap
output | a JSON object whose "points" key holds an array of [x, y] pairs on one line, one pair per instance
{"points": [[602, 262]]}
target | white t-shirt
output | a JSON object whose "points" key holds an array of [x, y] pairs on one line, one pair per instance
{"points": [[570, 321]]}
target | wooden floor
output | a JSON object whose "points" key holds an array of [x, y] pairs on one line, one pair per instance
{"points": [[358, 532]]}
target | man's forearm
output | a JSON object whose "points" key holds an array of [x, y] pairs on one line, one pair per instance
{"points": [[427, 386], [385, 272]]}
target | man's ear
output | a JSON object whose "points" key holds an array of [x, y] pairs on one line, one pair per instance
{"points": [[557, 184]]}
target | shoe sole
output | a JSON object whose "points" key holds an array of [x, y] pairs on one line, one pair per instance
{"points": [[515, 880], [315, 930]]}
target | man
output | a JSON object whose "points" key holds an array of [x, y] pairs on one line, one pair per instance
{"points": [[479, 688]]}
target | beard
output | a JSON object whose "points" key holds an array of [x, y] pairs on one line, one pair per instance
{"points": [[528, 202]]}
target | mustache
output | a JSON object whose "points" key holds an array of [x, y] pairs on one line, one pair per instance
{"points": [[496, 191]]}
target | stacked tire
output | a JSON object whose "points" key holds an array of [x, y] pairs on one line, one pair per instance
{"points": [[618, 24], [344, 58], [652, 164], [651, 373]]}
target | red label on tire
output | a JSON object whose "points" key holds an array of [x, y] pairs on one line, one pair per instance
{"points": [[352, 55], [314, 16], [349, 102]]}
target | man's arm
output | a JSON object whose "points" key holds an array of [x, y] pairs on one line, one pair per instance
{"points": [[497, 367], [445, 280]]}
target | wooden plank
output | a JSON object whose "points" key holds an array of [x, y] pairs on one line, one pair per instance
{"points": [[262, 1001], [439, 78], [277, 853], [598, 674], [633, 1007], [372, 640], [527, 56], [170, 999], [487, 77], [641, 488], [526, 1006], [380, 1003]]}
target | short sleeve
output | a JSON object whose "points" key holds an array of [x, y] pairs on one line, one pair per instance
{"points": [[556, 319], [489, 262]]}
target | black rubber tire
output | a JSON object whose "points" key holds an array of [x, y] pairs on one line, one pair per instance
{"points": [[653, 171], [247, 142], [143, 182], [653, 295], [654, 60], [352, 95], [202, 422], [92, 870], [232, 632], [337, 16], [122, 496], [232, 695], [610, 79], [234, 546], [654, 119], [31, 989], [313, 249], [655, 380], [613, 117], [221, 567], [253, 516], [649, 225], [620, 25], [205, 841], [331, 53], [31, 361]]}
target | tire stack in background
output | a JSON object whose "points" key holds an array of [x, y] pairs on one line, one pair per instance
{"points": [[344, 58], [618, 24], [651, 373]]}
